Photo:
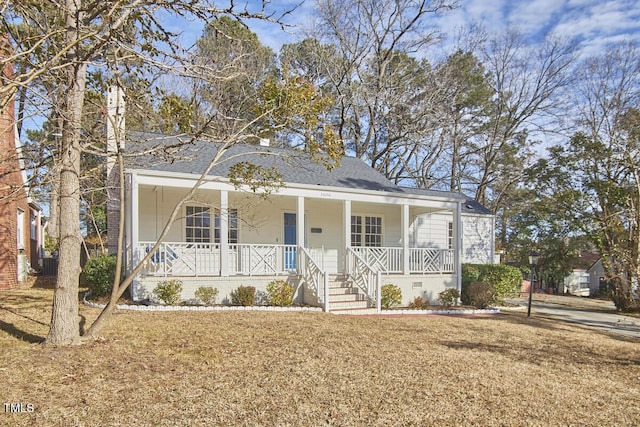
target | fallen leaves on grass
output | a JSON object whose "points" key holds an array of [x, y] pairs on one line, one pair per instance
{"points": [[299, 369]]}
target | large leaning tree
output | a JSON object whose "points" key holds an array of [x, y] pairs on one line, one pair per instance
{"points": [[55, 47]]}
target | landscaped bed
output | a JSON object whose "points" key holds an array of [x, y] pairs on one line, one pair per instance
{"points": [[273, 368]]}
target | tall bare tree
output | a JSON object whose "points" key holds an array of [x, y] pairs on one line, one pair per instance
{"points": [[375, 75], [604, 159], [76, 36]]}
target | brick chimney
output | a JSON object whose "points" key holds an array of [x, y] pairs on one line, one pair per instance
{"points": [[14, 207], [115, 144]]}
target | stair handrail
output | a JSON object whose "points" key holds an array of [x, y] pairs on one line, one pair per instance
{"points": [[366, 277], [315, 277]]}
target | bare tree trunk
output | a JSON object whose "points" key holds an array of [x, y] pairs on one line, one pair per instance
{"points": [[64, 317], [117, 290], [53, 229]]}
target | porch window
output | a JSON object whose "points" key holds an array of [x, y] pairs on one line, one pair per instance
{"points": [[233, 226], [450, 236], [198, 224], [366, 231]]}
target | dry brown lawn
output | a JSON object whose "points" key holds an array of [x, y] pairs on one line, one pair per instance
{"points": [[314, 369]]}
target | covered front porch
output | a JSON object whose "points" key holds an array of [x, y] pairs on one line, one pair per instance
{"points": [[310, 236]]}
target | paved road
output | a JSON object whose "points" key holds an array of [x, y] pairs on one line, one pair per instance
{"points": [[587, 316]]}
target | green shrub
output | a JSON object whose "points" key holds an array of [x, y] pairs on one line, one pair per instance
{"points": [[207, 295], [419, 304], [244, 295], [449, 297], [481, 294], [391, 295], [280, 293], [99, 273], [168, 291], [504, 280]]}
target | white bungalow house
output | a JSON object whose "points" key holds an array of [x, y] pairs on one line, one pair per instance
{"points": [[336, 235], [587, 275]]}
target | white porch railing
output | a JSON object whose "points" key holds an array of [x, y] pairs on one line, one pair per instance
{"points": [[254, 259], [384, 259], [389, 260], [429, 260], [364, 276], [180, 259], [203, 259], [316, 279]]}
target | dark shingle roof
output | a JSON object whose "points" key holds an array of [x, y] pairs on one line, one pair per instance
{"points": [[294, 166], [469, 206]]}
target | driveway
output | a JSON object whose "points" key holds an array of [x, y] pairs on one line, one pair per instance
{"points": [[596, 314]]}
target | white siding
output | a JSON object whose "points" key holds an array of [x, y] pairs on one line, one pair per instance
{"points": [[432, 231], [477, 239]]}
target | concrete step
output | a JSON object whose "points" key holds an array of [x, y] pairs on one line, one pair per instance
{"points": [[346, 297], [342, 305], [343, 291], [352, 311]]}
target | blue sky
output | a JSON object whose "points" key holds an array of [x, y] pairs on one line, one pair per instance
{"points": [[594, 23]]}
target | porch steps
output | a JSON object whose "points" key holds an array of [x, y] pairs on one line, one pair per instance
{"points": [[345, 298]]}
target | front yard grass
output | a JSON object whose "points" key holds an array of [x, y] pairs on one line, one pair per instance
{"points": [[313, 369]]}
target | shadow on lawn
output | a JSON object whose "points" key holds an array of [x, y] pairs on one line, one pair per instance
{"points": [[12, 330], [555, 323], [565, 349]]}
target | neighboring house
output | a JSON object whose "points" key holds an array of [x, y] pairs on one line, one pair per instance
{"points": [[587, 275], [21, 233], [337, 235]]}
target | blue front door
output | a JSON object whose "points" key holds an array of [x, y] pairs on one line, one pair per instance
{"points": [[290, 239]]}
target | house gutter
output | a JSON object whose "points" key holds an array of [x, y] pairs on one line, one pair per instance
{"points": [[324, 191]]}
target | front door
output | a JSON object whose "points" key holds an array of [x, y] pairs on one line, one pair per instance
{"points": [[290, 238]]}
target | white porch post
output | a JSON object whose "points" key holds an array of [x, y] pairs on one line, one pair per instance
{"points": [[300, 222], [346, 212], [458, 246], [224, 233], [404, 222], [131, 219]]}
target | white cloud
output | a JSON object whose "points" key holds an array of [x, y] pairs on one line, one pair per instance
{"points": [[535, 16], [596, 24], [593, 22]]}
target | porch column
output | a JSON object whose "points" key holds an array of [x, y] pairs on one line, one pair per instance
{"points": [[346, 212], [224, 233], [133, 220], [132, 254], [457, 256], [404, 224], [300, 222]]}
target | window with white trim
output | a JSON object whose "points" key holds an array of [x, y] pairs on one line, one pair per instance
{"points": [[366, 231], [356, 231], [232, 225], [198, 227], [583, 282], [450, 236]]}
